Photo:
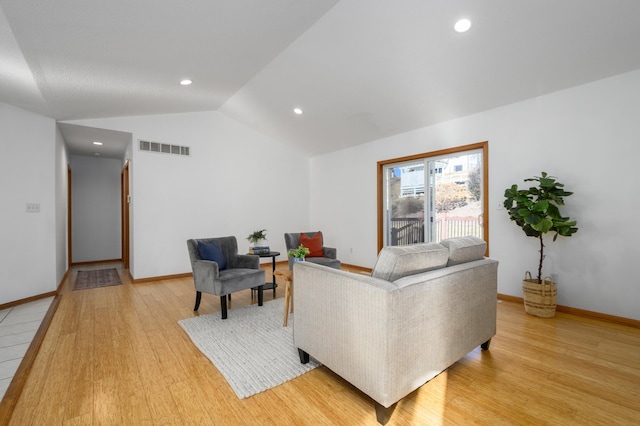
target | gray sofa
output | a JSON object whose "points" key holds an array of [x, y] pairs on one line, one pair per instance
{"points": [[422, 309]]}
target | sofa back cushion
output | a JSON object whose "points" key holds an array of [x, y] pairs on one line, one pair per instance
{"points": [[464, 249], [399, 261]]}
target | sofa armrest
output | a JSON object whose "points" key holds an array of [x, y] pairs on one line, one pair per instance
{"points": [[341, 319]]}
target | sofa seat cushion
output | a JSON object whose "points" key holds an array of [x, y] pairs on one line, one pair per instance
{"points": [[464, 249], [396, 262]]}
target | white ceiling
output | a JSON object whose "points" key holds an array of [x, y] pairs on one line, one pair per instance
{"points": [[360, 69]]}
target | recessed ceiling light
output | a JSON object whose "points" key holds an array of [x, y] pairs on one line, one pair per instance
{"points": [[297, 111], [97, 143], [462, 25], [186, 82]]}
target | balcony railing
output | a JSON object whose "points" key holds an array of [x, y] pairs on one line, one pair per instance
{"points": [[406, 231]]}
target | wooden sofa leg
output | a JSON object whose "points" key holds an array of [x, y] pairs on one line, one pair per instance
{"points": [[223, 306], [485, 345], [383, 414], [304, 357], [198, 298]]}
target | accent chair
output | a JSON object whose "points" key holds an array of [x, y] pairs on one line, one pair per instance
{"points": [[218, 269], [322, 255]]}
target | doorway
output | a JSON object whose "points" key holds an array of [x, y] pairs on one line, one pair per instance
{"points": [[125, 202]]}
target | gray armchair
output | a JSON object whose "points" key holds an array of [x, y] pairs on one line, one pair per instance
{"points": [[230, 273], [292, 241]]}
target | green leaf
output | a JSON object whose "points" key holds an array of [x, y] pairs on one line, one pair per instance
{"points": [[541, 206], [543, 225], [533, 219], [524, 212], [547, 182]]}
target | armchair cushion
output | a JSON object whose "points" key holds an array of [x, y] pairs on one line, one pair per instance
{"points": [[313, 243], [212, 251]]}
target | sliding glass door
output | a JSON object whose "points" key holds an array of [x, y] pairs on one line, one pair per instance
{"points": [[433, 196]]}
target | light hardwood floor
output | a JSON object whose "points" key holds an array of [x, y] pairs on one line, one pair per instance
{"points": [[117, 355]]}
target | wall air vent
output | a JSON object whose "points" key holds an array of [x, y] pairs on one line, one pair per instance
{"points": [[163, 148]]}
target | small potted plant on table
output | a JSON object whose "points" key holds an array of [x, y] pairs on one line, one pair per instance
{"points": [[257, 238], [299, 253]]}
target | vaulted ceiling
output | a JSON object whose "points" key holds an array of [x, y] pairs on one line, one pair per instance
{"points": [[359, 69]]}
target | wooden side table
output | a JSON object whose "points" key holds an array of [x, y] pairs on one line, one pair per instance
{"points": [[287, 276]]}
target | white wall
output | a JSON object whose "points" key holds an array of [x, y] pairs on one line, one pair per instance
{"points": [[235, 181], [27, 174], [96, 214], [587, 136], [61, 200]]}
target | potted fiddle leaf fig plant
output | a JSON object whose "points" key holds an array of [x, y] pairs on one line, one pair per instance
{"points": [[536, 211], [299, 253]]}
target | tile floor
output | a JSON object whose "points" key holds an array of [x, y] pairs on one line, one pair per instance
{"points": [[18, 326]]}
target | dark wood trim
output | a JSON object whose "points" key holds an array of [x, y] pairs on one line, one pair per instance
{"points": [[509, 298], [124, 219], [16, 386], [69, 217], [380, 203], [161, 278], [629, 322], [62, 281], [485, 192], [356, 269], [266, 265], [484, 146], [93, 262], [27, 300]]}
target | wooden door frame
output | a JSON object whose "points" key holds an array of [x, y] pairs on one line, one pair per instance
{"points": [[484, 146], [124, 206], [69, 218]]}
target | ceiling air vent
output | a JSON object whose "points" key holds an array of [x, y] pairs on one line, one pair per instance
{"points": [[163, 148]]}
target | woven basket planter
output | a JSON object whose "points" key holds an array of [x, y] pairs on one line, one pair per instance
{"points": [[539, 299]]}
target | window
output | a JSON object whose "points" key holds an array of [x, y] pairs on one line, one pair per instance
{"points": [[449, 200]]}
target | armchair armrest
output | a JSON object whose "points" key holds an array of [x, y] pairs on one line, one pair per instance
{"points": [[249, 261], [204, 274], [330, 252]]}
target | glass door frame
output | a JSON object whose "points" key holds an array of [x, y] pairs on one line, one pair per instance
{"points": [[381, 182]]}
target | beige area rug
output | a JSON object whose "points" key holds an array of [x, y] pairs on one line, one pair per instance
{"points": [[97, 278], [251, 348]]}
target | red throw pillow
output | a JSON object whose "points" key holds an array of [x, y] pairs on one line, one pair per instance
{"points": [[314, 244]]}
